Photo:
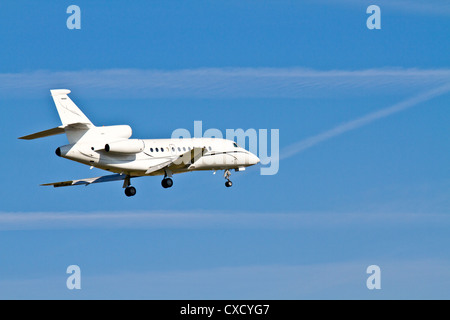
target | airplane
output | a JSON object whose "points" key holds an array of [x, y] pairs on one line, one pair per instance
{"points": [[110, 148]]}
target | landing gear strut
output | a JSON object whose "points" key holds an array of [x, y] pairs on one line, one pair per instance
{"points": [[227, 175], [129, 190]]}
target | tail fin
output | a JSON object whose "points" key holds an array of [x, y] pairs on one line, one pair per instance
{"points": [[67, 110], [74, 122]]}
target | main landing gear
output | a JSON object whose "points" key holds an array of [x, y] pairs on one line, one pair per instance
{"points": [[227, 175], [167, 182], [129, 190]]}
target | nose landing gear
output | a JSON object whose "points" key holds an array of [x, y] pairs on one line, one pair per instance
{"points": [[227, 175]]}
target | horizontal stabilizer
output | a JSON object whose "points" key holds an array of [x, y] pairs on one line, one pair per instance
{"points": [[57, 130], [112, 177], [46, 133]]}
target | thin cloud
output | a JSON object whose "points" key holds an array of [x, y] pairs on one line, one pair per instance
{"points": [[362, 121], [223, 82], [209, 220], [416, 7], [427, 7]]}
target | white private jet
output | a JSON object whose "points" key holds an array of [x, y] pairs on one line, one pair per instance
{"points": [[110, 148]]}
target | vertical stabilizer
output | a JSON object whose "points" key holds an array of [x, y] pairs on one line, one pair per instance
{"points": [[74, 121], [67, 110]]}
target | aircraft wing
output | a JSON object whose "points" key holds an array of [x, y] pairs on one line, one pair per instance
{"points": [[179, 162], [159, 166], [188, 158], [88, 181]]}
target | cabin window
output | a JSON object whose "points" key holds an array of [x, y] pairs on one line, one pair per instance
{"points": [[210, 149], [173, 149], [162, 149], [179, 149], [184, 148], [235, 144], [151, 149], [156, 149]]}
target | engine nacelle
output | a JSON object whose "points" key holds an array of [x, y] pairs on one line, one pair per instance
{"points": [[129, 146], [119, 132]]}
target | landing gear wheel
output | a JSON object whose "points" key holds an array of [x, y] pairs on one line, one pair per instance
{"points": [[130, 191], [228, 184], [167, 183]]}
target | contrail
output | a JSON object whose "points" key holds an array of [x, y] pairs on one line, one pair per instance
{"points": [[360, 122]]}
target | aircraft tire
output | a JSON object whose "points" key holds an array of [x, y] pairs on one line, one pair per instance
{"points": [[167, 183], [130, 191]]}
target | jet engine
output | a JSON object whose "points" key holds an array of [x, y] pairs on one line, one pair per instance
{"points": [[129, 146]]}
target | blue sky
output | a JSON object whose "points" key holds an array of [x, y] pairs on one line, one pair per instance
{"points": [[363, 121]]}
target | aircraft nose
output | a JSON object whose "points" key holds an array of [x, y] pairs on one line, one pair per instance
{"points": [[253, 159]]}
